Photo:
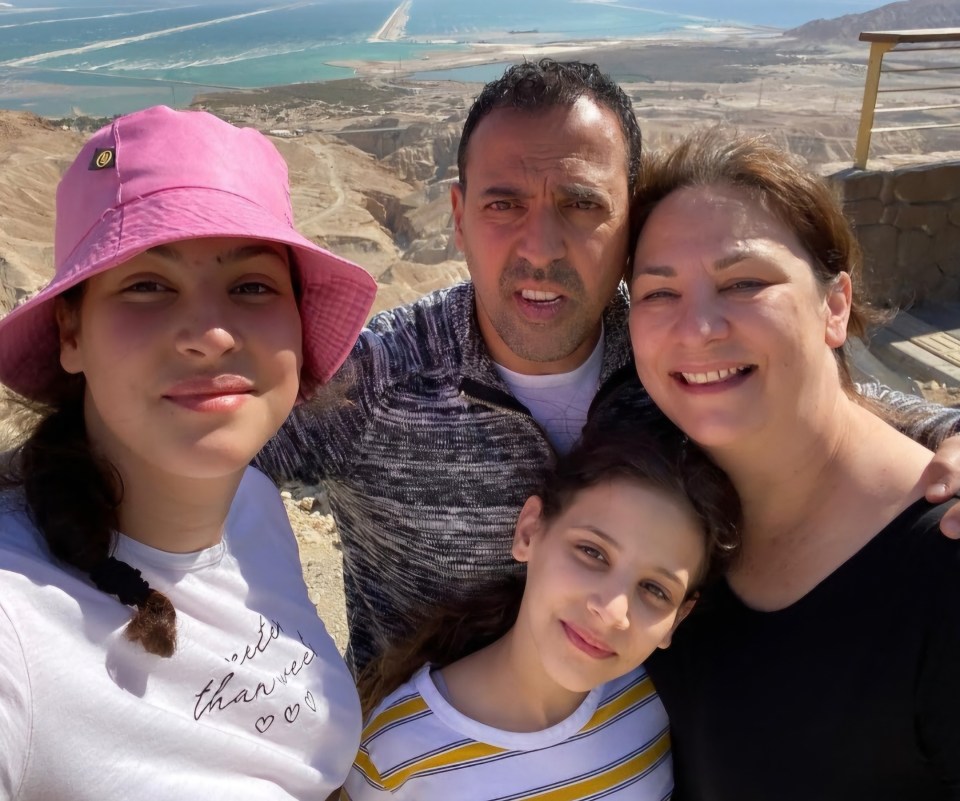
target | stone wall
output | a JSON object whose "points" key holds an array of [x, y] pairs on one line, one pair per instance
{"points": [[908, 223]]}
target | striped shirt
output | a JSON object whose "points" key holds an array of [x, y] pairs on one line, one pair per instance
{"points": [[616, 745]]}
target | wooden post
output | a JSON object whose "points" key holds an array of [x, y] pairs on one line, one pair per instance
{"points": [[877, 51]]}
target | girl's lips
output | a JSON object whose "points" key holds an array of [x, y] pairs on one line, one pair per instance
{"points": [[220, 393], [223, 384], [586, 643], [225, 402]]}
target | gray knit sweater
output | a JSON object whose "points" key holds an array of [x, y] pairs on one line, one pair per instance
{"points": [[426, 465], [430, 459]]}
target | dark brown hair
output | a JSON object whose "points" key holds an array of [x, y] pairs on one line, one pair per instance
{"points": [[656, 454], [312, 389], [545, 84], [73, 496], [799, 198]]}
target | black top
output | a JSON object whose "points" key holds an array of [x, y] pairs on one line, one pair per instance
{"points": [[852, 692]]}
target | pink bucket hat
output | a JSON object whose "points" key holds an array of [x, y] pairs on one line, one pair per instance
{"points": [[158, 176]]}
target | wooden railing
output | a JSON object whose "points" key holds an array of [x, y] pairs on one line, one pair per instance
{"points": [[881, 43]]}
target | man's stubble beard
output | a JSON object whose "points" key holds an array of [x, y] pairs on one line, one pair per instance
{"points": [[551, 341]]}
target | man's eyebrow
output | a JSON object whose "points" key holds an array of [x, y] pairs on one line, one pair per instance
{"points": [[583, 192], [578, 191], [501, 191]]}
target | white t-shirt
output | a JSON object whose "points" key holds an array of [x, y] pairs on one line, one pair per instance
{"points": [[416, 746], [559, 402], [256, 703]]}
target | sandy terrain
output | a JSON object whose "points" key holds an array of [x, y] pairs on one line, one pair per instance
{"points": [[322, 565]]}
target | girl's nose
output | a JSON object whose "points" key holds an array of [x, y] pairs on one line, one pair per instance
{"points": [[206, 330], [612, 608]]}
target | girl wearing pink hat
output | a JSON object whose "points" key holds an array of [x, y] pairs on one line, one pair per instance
{"points": [[156, 638]]}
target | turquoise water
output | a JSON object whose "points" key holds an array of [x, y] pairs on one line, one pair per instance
{"points": [[120, 55]]}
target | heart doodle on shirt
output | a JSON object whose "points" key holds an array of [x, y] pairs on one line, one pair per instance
{"points": [[308, 700], [264, 723], [291, 712]]}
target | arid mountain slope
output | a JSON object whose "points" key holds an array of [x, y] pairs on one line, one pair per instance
{"points": [[343, 198], [904, 15], [33, 154]]}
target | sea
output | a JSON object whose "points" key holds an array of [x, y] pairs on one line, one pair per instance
{"points": [[105, 57]]}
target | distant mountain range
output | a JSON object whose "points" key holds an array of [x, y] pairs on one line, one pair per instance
{"points": [[905, 15]]}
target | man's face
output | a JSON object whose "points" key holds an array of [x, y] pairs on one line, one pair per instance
{"points": [[543, 223]]}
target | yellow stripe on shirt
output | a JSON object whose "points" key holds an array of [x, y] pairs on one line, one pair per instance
{"points": [[397, 713], [457, 757], [617, 774], [365, 765], [640, 692]]}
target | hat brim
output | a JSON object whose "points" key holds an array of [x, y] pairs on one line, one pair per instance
{"points": [[336, 295]]}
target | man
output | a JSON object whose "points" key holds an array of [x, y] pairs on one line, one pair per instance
{"points": [[457, 403]]}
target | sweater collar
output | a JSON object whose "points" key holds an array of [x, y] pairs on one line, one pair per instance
{"points": [[477, 363]]}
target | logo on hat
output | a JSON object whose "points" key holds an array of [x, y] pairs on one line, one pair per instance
{"points": [[103, 158]]}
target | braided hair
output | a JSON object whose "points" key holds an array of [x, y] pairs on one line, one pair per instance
{"points": [[73, 496]]}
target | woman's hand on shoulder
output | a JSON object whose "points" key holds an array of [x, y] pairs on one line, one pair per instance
{"points": [[942, 480]]}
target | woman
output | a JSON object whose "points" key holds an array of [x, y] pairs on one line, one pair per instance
{"points": [[825, 664], [185, 317]]}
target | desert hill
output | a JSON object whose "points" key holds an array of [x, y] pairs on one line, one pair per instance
{"points": [[904, 15], [375, 212], [33, 154]]}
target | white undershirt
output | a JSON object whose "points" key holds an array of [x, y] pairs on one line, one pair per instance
{"points": [[559, 402]]}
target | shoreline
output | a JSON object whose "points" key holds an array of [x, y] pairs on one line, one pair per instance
{"points": [[480, 54], [612, 54], [394, 29]]}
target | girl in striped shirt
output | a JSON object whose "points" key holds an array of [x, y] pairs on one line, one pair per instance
{"points": [[536, 689]]}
